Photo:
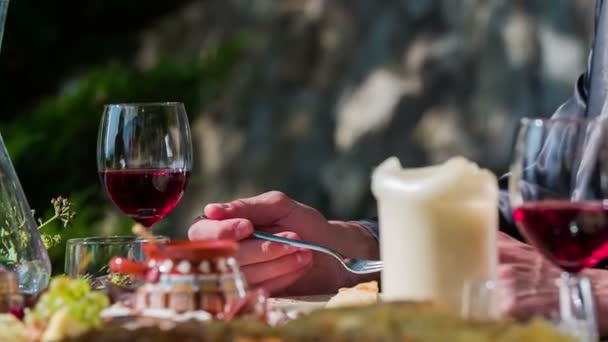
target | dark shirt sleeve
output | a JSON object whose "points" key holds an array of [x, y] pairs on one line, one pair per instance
{"points": [[505, 215], [371, 225]]}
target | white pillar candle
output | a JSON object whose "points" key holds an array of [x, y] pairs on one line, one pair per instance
{"points": [[438, 227]]}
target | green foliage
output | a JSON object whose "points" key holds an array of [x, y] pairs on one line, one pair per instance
{"points": [[46, 42], [53, 147], [11, 240], [12, 236]]}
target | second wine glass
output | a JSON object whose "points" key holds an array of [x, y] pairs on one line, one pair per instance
{"points": [[144, 157], [558, 189]]}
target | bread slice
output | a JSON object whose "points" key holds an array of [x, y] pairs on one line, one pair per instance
{"points": [[361, 294]]}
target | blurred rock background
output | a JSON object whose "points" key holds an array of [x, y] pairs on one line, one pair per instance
{"points": [[303, 96]]}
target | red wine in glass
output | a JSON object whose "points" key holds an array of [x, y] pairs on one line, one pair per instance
{"points": [[574, 235], [144, 157], [146, 195], [558, 191]]}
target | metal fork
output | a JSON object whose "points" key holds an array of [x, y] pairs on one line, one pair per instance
{"points": [[358, 266]]}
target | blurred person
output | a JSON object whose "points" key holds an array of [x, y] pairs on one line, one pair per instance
{"points": [[285, 270]]}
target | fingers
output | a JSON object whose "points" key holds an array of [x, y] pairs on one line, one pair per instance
{"points": [[279, 284], [264, 209], [512, 251], [506, 241], [526, 303], [523, 294], [266, 271], [526, 280], [254, 251], [506, 238], [231, 229], [518, 255], [515, 272]]}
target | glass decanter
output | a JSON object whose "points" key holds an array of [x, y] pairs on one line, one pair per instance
{"points": [[21, 248]]}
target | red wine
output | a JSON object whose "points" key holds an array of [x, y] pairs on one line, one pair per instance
{"points": [[573, 235], [146, 195]]}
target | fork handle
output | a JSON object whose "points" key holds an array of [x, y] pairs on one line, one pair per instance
{"points": [[270, 237]]}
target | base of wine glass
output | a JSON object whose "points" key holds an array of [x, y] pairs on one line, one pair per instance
{"points": [[577, 315]]}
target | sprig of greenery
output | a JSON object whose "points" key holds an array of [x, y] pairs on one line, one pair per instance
{"points": [[65, 213], [50, 241], [12, 237]]}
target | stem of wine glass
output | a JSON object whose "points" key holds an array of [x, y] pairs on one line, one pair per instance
{"points": [[576, 306]]}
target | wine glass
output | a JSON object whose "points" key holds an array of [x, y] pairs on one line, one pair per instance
{"points": [[558, 188], [144, 157], [89, 257], [491, 299]]}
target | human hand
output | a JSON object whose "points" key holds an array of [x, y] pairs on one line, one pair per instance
{"points": [[280, 268], [529, 287], [526, 278]]}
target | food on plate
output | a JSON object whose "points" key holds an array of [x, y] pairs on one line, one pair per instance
{"points": [[12, 329], [361, 294], [62, 325], [185, 276], [71, 311], [119, 279], [411, 321], [68, 308], [397, 321]]}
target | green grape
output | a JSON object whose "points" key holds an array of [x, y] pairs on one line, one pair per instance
{"points": [[73, 296], [59, 302], [79, 287], [78, 312], [90, 315], [98, 298], [60, 284]]}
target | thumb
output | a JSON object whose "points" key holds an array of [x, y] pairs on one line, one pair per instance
{"points": [[264, 209]]}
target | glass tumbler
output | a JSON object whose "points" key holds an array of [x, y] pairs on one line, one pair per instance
{"points": [[89, 257], [523, 300]]}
